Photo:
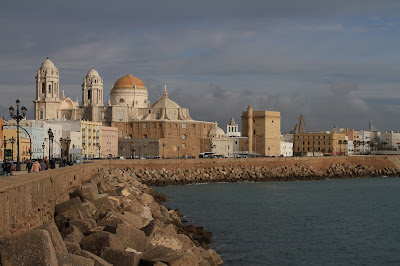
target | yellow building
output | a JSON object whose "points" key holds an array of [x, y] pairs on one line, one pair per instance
{"points": [[321, 142], [263, 132], [10, 135], [91, 139]]}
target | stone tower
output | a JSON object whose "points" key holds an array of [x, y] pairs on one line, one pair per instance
{"points": [[92, 89], [47, 100]]}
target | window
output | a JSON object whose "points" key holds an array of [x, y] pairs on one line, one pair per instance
{"points": [[183, 125], [121, 100], [145, 136], [254, 131], [120, 134], [121, 116], [183, 136], [49, 88], [183, 145], [144, 125], [89, 94], [43, 87]]}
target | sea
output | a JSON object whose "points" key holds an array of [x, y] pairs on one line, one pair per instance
{"points": [[327, 222]]}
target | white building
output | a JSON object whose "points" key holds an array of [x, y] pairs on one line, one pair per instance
{"points": [[286, 148], [220, 143], [390, 140], [365, 139], [232, 129]]}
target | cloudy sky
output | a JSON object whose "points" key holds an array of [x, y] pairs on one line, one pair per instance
{"points": [[328, 60]]}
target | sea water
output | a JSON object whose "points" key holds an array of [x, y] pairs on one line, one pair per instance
{"points": [[329, 222]]}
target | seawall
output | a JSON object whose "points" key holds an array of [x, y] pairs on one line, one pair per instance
{"points": [[27, 201]]}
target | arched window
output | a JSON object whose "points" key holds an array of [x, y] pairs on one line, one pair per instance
{"points": [[49, 88], [89, 94], [43, 87], [145, 136]]}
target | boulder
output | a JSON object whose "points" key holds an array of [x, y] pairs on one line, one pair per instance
{"points": [[67, 259], [73, 248], [121, 258], [131, 237], [31, 248], [84, 225], [68, 205], [55, 236], [97, 260], [97, 242], [132, 219], [88, 191], [72, 234]]}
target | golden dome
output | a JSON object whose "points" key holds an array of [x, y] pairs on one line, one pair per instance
{"points": [[129, 82]]}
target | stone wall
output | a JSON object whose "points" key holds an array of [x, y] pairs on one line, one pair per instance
{"points": [[27, 201]]}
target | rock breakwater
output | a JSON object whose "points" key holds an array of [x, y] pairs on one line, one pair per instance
{"points": [[112, 219], [162, 177]]}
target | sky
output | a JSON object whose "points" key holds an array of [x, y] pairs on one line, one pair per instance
{"points": [[332, 61]]}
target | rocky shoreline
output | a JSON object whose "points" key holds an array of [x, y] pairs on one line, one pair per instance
{"points": [[112, 219], [163, 177]]}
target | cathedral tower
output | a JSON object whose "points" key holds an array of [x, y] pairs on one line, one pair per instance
{"points": [[47, 91], [92, 89]]}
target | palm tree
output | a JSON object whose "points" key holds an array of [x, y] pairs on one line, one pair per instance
{"points": [[345, 142], [340, 145], [384, 144], [372, 145]]}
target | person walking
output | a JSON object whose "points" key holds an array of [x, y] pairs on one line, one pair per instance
{"points": [[52, 163], [6, 167], [29, 166], [47, 162], [42, 165], [35, 167]]}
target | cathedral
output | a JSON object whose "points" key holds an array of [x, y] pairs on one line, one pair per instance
{"points": [[162, 129], [128, 100]]}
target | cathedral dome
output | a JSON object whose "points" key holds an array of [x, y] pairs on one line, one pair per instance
{"points": [[48, 64], [129, 82], [165, 102], [216, 132], [129, 91], [92, 73]]}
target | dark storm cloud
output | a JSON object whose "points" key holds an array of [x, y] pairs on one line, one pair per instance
{"points": [[216, 57]]}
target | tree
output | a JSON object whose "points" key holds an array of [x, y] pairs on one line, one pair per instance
{"points": [[345, 142], [340, 145]]}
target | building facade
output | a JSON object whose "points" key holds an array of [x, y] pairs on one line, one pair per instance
{"points": [[324, 142], [263, 132], [109, 142]]}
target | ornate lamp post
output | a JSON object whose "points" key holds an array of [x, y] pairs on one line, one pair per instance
{"points": [[163, 148], [84, 151], [17, 117], [68, 143], [5, 148], [51, 138], [98, 146], [43, 146], [12, 141], [178, 148]]}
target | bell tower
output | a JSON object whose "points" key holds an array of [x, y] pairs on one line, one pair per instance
{"points": [[92, 89], [47, 91]]}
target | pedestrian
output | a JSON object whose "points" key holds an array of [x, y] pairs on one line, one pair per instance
{"points": [[42, 165], [52, 163], [46, 161], [35, 167], [29, 165], [6, 167]]}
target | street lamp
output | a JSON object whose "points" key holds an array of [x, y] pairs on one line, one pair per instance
{"points": [[68, 143], [84, 151], [12, 140], [178, 148], [17, 117], [51, 137], [43, 146], [5, 148], [98, 145], [163, 148]]}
